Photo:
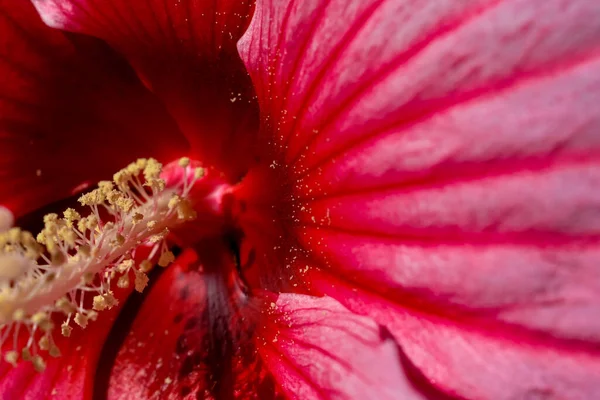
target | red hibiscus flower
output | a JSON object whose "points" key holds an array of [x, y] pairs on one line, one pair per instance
{"points": [[400, 201]]}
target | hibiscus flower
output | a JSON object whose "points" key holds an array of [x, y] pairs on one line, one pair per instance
{"points": [[393, 198]]}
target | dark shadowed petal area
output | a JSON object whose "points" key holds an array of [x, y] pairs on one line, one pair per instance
{"points": [[192, 338], [443, 166], [200, 334], [71, 112], [185, 52]]}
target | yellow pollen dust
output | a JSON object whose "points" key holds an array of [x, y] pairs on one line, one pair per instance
{"points": [[65, 274]]}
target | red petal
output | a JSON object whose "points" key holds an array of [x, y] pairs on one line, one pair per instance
{"points": [[185, 51], [70, 113], [476, 360], [188, 340], [445, 156], [70, 376], [197, 335], [147, 361], [317, 349]]}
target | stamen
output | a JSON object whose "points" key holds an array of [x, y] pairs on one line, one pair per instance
{"points": [[49, 277]]}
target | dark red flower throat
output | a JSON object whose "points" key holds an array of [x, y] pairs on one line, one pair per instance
{"points": [[212, 307]]}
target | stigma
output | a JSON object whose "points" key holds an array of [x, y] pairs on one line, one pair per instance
{"points": [[66, 274]]}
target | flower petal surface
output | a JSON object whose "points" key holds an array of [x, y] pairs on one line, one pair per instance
{"points": [[70, 376], [185, 52], [443, 165], [318, 349], [196, 335], [190, 337], [470, 358], [71, 112]]}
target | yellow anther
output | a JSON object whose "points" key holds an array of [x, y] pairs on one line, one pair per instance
{"points": [[151, 224], [122, 178], [25, 354], [103, 302], [184, 162], [80, 320], [105, 186], [50, 218], [166, 258], [27, 239], [159, 236], [174, 201], [81, 225], [92, 222], [137, 218], [125, 266], [199, 172], [141, 281], [95, 197], [146, 266], [38, 363], [99, 303], [158, 185], [114, 196], [132, 169], [71, 216], [51, 245], [44, 343], [19, 315], [67, 236], [110, 300], [14, 235], [11, 357], [42, 320], [141, 163], [152, 169], [125, 204], [123, 281], [65, 329]]}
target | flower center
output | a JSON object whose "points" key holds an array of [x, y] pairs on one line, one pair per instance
{"points": [[69, 270]]}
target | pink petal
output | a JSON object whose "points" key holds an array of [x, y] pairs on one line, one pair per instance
{"points": [[185, 52], [478, 361], [443, 155], [553, 290], [317, 349], [398, 63], [71, 113]]}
